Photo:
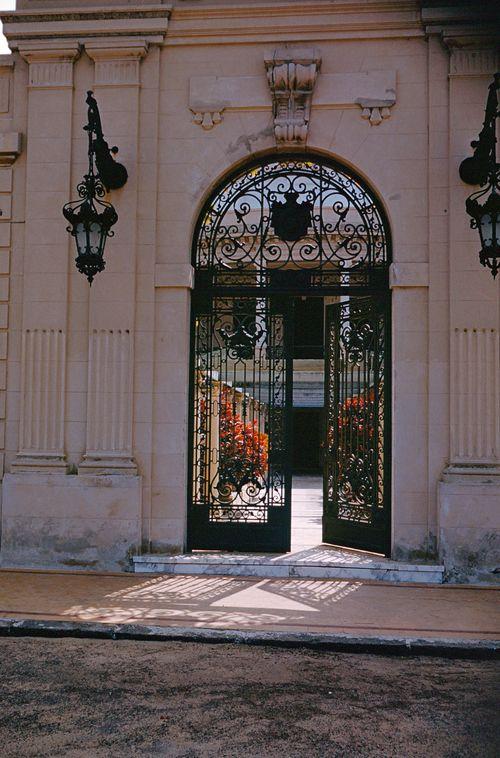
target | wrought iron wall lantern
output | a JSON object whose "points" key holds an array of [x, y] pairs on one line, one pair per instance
{"points": [[482, 168], [90, 217]]}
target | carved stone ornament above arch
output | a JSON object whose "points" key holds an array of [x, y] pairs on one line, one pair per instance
{"points": [[295, 85], [291, 75]]}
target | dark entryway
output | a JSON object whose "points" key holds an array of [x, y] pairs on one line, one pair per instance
{"points": [[308, 385], [308, 327], [308, 435]]}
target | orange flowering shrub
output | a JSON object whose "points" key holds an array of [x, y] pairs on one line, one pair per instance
{"points": [[357, 416], [243, 449]]}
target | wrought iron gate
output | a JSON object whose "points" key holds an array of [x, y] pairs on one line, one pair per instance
{"points": [[242, 391], [281, 227], [357, 474]]}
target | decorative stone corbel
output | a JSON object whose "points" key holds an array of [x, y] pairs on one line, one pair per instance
{"points": [[375, 111], [10, 147], [292, 74], [209, 96], [207, 119]]}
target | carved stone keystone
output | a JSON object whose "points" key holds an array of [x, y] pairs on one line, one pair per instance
{"points": [[292, 74]]}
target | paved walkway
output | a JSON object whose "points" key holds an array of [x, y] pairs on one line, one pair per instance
{"points": [[250, 604]]}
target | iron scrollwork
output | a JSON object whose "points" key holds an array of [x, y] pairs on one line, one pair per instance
{"points": [[241, 335], [356, 334], [356, 417], [290, 214], [239, 399]]}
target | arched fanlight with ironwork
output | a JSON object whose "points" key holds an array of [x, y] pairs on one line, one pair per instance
{"points": [[91, 217], [482, 168], [288, 218]]}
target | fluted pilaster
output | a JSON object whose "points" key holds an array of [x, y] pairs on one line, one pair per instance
{"points": [[475, 409], [109, 402], [41, 430]]}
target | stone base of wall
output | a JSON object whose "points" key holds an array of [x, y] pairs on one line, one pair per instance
{"points": [[469, 523], [63, 521]]}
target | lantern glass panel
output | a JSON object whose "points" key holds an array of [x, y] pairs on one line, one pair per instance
{"points": [[486, 229], [96, 233], [81, 237]]}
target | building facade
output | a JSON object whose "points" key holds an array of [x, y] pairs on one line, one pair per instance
{"points": [[279, 155]]}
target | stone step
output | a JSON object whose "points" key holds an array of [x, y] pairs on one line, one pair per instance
{"points": [[312, 563]]}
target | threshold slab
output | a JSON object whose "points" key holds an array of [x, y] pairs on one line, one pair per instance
{"points": [[321, 562]]}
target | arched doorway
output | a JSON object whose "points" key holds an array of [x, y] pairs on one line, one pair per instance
{"points": [[291, 257]]}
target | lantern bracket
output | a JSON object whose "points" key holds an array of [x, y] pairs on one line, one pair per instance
{"points": [[478, 168], [112, 174]]}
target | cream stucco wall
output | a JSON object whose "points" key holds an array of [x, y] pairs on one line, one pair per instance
{"points": [[62, 336]]}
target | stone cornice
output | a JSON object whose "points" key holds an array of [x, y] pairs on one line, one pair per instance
{"points": [[291, 21], [293, 7], [43, 52], [293, 33], [79, 14], [473, 25], [149, 22], [469, 32], [445, 16], [111, 49], [318, 19]]}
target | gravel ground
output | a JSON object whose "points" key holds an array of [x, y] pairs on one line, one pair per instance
{"points": [[70, 697]]}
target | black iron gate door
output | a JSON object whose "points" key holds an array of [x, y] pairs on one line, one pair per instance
{"points": [[241, 479], [357, 473]]}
